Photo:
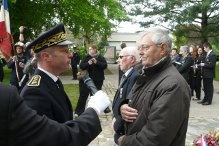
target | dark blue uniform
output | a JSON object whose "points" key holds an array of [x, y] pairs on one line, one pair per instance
{"points": [[17, 73], [43, 95], [21, 126]]}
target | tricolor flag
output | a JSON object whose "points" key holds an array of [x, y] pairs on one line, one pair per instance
{"points": [[5, 32]]}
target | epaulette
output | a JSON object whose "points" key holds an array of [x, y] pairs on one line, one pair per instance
{"points": [[35, 81]]}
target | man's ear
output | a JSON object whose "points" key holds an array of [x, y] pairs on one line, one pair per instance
{"points": [[164, 49]]}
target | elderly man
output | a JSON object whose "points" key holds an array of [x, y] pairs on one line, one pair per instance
{"points": [[185, 63], [158, 109], [128, 58]]}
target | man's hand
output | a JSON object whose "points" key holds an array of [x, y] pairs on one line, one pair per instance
{"points": [[21, 29], [99, 101], [128, 114], [120, 140]]}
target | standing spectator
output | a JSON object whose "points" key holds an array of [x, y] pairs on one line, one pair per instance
{"points": [[122, 46], [208, 74], [193, 51], [174, 56], [44, 91], [128, 58], [185, 63], [2, 64], [158, 110], [1, 69], [197, 73], [75, 60], [31, 65], [17, 63], [95, 64]]}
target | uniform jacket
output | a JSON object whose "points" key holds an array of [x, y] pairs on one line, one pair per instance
{"points": [[185, 66], [162, 98], [21, 126], [11, 65], [96, 71], [47, 99], [122, 94], [208, 70]]}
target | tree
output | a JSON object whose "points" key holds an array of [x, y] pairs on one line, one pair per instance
{"points": [[201, 13], [85, 18]]}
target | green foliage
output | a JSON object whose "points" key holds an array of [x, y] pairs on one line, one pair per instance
{"points": [[202, 13], [7, 72], [72, 90], [87, 18]]}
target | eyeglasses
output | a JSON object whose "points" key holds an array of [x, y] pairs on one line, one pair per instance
{"points": [[146, 47], [124, 56]]}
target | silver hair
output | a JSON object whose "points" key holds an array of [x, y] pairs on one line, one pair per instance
{"points": [[184, 48], [132, 51], [160, 36]]}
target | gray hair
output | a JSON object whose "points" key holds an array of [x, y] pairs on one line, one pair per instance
{"points": [[160, 36], [133, 51], [184, 48]]}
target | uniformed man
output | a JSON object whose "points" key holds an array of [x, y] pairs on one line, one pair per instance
{"points": [[17, 63], [44, 92]]}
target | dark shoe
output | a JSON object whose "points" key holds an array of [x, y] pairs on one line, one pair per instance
{"points": [[206, 103], [107, 110], [200, 102]]}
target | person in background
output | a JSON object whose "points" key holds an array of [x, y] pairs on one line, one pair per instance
{"points": [[21, 126], [30, 66], [193, 51], [17, 63], [158, 106], [128, 58], [208, 73], [185, 63], [44, 92], [75, 60], [122, 46], [2, 64], [197, 73], [95, 64], [174, 56]]}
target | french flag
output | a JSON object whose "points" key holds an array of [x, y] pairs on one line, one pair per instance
{"points": [[5, 32], [203, 141]]}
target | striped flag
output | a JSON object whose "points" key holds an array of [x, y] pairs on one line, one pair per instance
{"points": [[5, 32], [203, 141]]}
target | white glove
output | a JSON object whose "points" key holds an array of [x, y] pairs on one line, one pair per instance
{"points": [[202, 64], [99, 102]]}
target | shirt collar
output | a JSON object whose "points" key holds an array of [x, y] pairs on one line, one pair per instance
{"points": [[128, 71], [54, 78]]}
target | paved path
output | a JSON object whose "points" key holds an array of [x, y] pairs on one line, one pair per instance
{"points": [[202, 118]]}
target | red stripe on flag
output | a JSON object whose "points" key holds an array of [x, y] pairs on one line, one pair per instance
{"points": [[5, 36]]}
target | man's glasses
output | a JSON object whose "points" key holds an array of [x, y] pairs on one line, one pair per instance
{"points": [[146, 47], [124, 56]]}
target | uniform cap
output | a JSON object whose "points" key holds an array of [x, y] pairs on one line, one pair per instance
{"points": [[54, 36]]}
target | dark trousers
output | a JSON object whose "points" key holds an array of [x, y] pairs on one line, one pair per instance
{"points": [[84, 93], [74, 72], [196, 86], [208, 89]]}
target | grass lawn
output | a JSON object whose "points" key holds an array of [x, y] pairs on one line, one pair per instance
{"points": [[72, 91]]}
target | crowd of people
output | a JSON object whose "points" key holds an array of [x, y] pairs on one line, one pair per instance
{"points": [[150, 107], [196, 63]]}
